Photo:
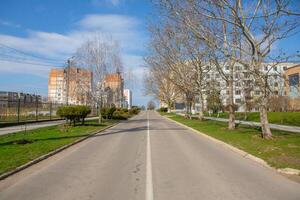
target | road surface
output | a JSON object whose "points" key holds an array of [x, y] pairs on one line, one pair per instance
{"points": [[31, 126], [149, 158]]}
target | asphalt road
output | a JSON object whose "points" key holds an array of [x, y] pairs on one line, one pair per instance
{"points": [[149, 159]]}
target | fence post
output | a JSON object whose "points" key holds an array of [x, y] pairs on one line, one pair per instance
{"points": [[50, 110], [36, 108], [18, 109]]}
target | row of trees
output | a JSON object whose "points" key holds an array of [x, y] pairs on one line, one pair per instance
{"points": [[195, 38]]}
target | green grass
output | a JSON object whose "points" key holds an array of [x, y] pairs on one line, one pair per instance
{"points": [[42, 141], [284, 118], [280, 152]]}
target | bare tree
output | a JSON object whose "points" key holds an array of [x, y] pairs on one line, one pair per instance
{"points": [[241, 32], [158, 84], [101, 55]]}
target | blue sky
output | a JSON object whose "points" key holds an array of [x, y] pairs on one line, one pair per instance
{"points": [[53, 29]]}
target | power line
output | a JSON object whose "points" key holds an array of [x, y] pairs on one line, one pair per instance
{"points": [[9, 48], [31, 63]]}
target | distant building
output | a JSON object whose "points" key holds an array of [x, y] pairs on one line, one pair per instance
{"points": [[10, 99], [127, 98], [113, 86], [70, 86], [292, 86]]}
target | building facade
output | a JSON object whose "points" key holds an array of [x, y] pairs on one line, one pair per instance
{"points": [[245, 90], [127, 98], [292, 87], [70, 86], [113, 86]]}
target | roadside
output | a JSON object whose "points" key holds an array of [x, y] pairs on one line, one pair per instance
{"points": [[31, 126], [21, 147], [280, 118], [283, 151]]}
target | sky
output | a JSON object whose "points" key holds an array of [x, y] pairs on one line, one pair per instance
{"points": [[52, 30]]}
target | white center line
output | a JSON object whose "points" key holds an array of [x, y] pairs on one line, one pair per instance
{"points": [[149, 184]]}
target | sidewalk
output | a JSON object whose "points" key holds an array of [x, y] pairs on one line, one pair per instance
{"points": [[31, 126], [294, 129]]}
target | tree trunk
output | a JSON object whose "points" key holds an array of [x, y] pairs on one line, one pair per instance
{"points": [[100, 116], [201, 114], [231, 121], [263, 111]]}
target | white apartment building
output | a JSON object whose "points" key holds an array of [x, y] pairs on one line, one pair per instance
{"points": [[127, 98], [244, 85]]}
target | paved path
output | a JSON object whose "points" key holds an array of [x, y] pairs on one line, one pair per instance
{"points": [[30, 126], [153, 159], [294, 129]]}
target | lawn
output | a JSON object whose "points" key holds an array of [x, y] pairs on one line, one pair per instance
{"points": [[41, 141], [285, 118], [280, 152]]}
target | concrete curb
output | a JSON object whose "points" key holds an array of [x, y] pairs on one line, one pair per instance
{"points": [[45, 156], [244, 154]]}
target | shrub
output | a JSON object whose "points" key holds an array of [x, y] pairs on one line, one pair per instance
{"points": [[74, 113], [120, 115], [134, 111], [163, 109]]}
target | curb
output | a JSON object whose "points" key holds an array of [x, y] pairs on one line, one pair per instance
{"points": [[244, 154], [45, 156]]}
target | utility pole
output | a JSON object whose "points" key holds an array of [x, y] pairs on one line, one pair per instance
{"points": [[68, 80]]}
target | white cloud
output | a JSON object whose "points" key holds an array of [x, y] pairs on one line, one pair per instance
{"points": [[60, 46], [10, 24]]}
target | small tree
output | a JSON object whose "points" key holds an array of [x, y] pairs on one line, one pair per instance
{"points": [[74, 114], [214, 102]]}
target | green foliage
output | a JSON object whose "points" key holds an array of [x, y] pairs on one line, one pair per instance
{"points": [[214, 102], [163, 109], [74, 113], [120, 115], [134, 111], [107, 113]]}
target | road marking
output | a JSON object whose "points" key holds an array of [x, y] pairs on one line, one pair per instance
{"points": [[149, 184]]}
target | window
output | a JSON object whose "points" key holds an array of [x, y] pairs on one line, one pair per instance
{"points": [[275, 68], [266, 68], [207, 76], [238, 84], [276, 92], [257, 92], [276, 84], [238, 92], [217, 75], [227, 67], [284, 68], [294, 80], [237, 100]]}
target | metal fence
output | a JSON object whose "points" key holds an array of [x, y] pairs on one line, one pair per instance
{"points": [[18, 111]]}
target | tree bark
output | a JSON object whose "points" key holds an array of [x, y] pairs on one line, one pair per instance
{"points": [[265, 127], [201, 115], [231, 121]]}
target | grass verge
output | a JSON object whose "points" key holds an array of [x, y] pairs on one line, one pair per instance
{"points": [[284, 118], [281, 152], [19, 148]]}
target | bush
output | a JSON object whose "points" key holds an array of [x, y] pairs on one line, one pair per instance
{"points": [[134, 111], [120, 115], [163, 109], [107, 113], [74, 113]]}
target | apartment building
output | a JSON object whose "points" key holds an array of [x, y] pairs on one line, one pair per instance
{"points": [[113, 87], [127, 98], [244, 85], [70, 85], [292, 86]]}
